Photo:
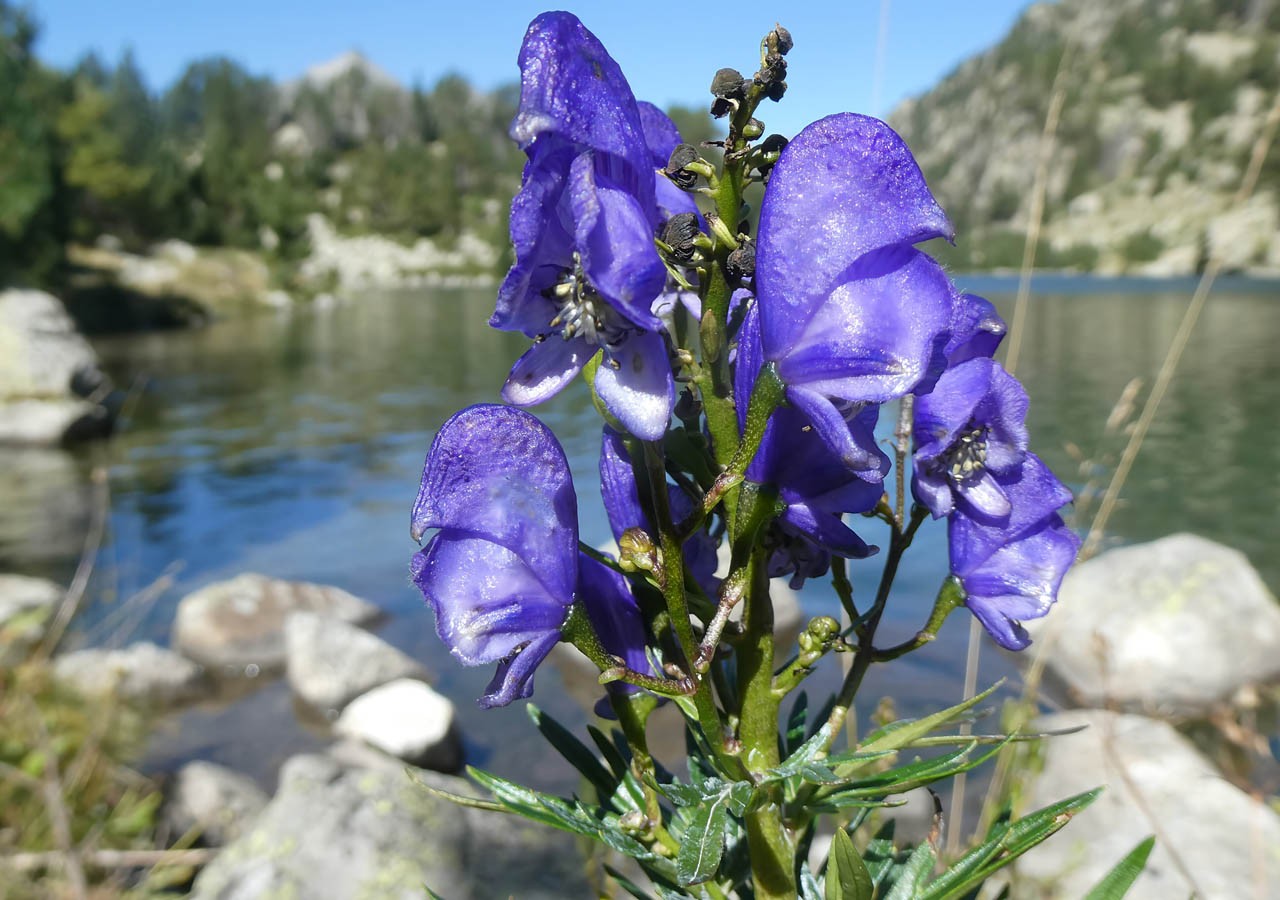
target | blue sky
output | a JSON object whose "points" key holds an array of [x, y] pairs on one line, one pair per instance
{"points": [[669, 50]]}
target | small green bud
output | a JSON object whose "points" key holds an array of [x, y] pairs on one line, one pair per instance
{"points": [[824, 628], [637, 552]]}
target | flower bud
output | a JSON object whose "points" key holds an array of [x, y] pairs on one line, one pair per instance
{"points": [[728, 84], [636, 551], [683, 155]]}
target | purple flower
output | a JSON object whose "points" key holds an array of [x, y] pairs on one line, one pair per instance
{"points": [[503, 568], [850, 311], [586, 270], [622, 504], [816, 485], [976, 329], [969, 430], [1011, 570]]}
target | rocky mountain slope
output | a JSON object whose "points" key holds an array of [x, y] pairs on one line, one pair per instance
{"points": [[1163, 101]]}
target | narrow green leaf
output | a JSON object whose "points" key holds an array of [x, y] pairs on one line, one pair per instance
{"points": [[1006, 842], [810, 889], [574, 751], [702, 843], [901, 737], [431, 895], [616, 762], [1116, 883], [847, 875], [919, 865], [881, 854]]}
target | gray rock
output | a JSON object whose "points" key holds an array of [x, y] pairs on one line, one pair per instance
{"points": [[1175, 626], [1211, 837], [45, 422], [26, 607], [40, 349], [215, 801], [338, 831], [331, 662], [407, 720], [239, 624], [141, 673], [46, 500]]}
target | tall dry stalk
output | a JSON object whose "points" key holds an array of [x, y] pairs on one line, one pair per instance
{"points": [[1035, 219]]}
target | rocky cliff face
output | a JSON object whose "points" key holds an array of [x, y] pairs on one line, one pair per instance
{"points": [[1163, 101]]}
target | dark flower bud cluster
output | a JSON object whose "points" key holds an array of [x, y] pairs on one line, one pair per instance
{"points": [[677, 168], [680, 234], [729, 89]]}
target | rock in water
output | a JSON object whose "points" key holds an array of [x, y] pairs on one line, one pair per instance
{"points": [[141, 673], [1174, 626], [407, 720], [239, 624], [41, 355], [1208, 832], [218, 802], [331, 662], [334, 830]]}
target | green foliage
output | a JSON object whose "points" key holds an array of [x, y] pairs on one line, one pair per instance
{"points": [[62, 759], [1142, 247]]}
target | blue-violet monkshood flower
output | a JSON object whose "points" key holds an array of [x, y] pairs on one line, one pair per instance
{"points": [[1011, 569], [813, 483], [969, 430], [851, 312], [503, 568], [587, 271]]}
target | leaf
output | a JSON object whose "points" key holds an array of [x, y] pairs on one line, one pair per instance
{"points": [[702, 843], [898, 737], [809, 887], [625, 883], [1116, 883], [1006, 842], [574, 751], [847, 875], [881, 854], [919, 864]]}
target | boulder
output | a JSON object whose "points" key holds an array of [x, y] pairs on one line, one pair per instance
{"points": [[44, 361], [216, 801], [26, 607], [335, 829], [1172, 627], [141, 673], [330, 662], [408, 720], [1212, 839], [40, 349], [238, 625]]}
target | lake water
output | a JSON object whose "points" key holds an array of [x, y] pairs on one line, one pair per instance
{"points": [[291, 445]]}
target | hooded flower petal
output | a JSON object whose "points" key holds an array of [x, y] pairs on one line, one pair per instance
{"points": [[660, 134], [571, 87], [976, 329], [501, 571], [844, 187], [968, 429]]}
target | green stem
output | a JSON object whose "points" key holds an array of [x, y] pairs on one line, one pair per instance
{"points": [[950, 596], [772, 848], [672, 585]]}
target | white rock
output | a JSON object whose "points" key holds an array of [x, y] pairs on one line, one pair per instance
{"points": [[408, 720], [1156, 783], [177, 251], [40, 349], [331, 662], [141, 673], [240, 623], [1173, 626], [49, 422], [218, 802], [26, 606]]}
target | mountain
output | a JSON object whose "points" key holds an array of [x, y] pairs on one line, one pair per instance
{"points": [[1162, 103]]}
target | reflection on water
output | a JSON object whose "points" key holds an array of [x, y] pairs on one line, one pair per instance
{"points": [[291, 445]]}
